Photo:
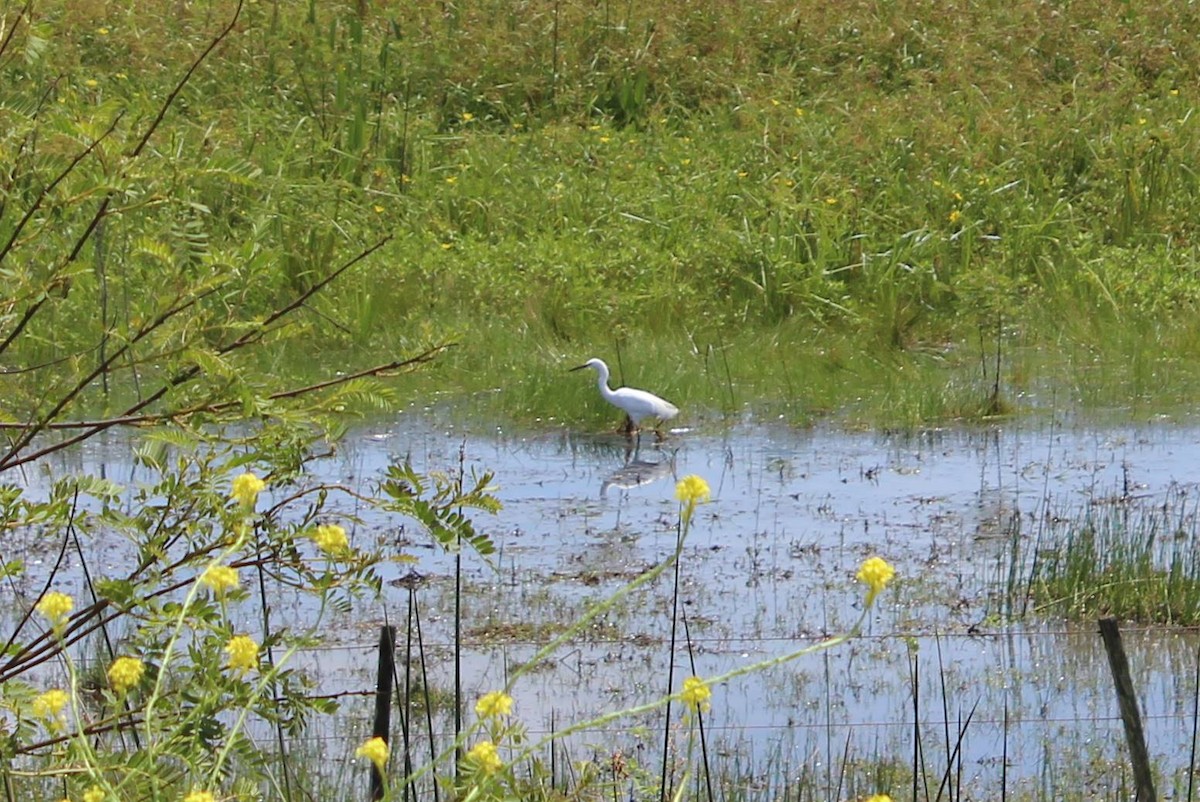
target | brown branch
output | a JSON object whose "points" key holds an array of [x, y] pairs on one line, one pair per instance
{"points": [[124, 721], [295, 392], [35, 307], [249, 337], [11, 176], [46, 190], [14, 458], [24, 12], [187, 76]]}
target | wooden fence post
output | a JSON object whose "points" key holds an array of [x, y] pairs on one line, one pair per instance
{"points": [[383, 699], [1127, 699]]}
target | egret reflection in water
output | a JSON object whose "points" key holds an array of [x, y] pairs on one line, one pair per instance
{"points": [[637, 472]]}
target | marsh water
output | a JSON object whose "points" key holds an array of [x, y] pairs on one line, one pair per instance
{"points": [[768, 568]]}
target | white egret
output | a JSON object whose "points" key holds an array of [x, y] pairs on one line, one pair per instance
{"points": [[637, 404]]}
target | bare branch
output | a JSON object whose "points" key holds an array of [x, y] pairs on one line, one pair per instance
{"points": [[14, 457], [208, 409], [187, 76], [24, 12], [46, 190], [36, 306], [250, 337]]}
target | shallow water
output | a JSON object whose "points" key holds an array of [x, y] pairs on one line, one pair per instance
{"points": [[767, 569]]}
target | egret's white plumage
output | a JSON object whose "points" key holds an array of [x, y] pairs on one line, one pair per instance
{"points": [[637, 404]]}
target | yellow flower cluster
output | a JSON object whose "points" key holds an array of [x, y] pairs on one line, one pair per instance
{"points": [[485, 757], [692, 490], [56, 607], [879, 798], [494, 703], [376, 751], [246, 489], [199, 796], [219, 578], [876, 572], [50, 704], [94, 794], [243, 653], [331, 539], [124, 673], [696, 694]]}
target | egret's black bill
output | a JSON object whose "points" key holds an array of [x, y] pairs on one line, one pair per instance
{"points": [[581, 367]]}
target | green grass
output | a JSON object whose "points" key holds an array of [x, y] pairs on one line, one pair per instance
{"points": [[846, 206], [1123, 557]]}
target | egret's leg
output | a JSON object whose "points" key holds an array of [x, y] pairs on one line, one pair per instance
{"points": [[628, 427]]}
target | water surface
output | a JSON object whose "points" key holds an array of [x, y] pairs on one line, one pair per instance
{"points": [[768, 568]]}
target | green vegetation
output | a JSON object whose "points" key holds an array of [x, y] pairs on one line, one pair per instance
{"points": [[245, 218], [1124, 557], [802, 208]]}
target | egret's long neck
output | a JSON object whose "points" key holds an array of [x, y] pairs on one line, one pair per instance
{"points": [[602, 381]]}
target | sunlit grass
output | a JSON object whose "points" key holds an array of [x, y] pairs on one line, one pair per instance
{"points": [[1123, 558], [874, 188]]}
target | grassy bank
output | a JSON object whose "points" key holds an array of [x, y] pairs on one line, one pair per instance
{"points": [[799, 207]]}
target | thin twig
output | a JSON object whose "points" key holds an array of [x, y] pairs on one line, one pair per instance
{"points": [[35, 307], [13, 458], [208, 409], [46, 190], [24, 12]]}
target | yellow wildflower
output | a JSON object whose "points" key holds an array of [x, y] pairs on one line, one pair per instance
{"points": [[91, 83], [876, 572], [243, 653], [94, 794], [219, 578], [56, 607], [879, 798], [692, 489], [199, 796], [124, 673], [376, 751], [246, 489], [331, 539], [484, 755], [467, 116], [494, 703], [50, 704], [102, 31], [955, 215], [696, 694]]}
